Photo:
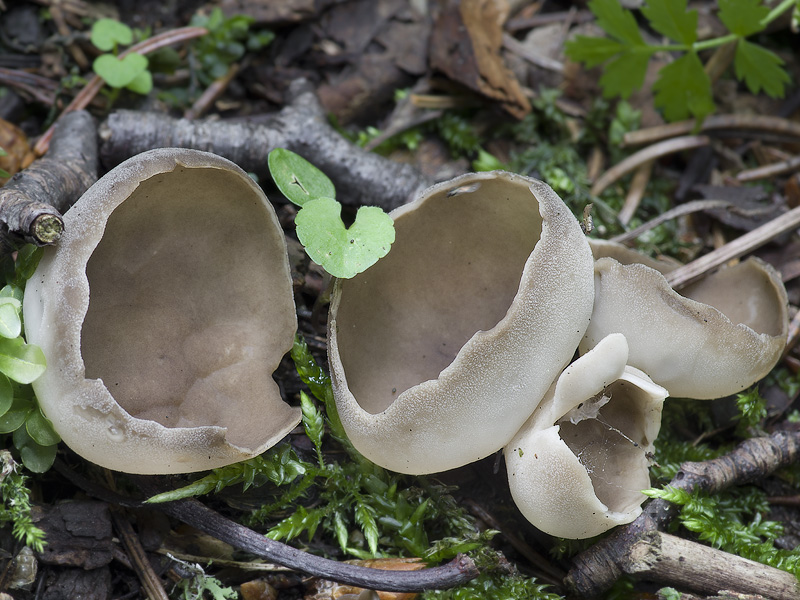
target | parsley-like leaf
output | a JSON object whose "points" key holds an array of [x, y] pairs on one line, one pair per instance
{"points": [[683, 89], [593, 51], [617, 22], [760, 69], [670, 18], [742, 17], [625, 74]]}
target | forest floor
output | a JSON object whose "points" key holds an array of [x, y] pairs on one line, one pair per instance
{"points": [[685, 131]]}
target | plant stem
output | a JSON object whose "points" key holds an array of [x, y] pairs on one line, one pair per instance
{"points": [[777, 11], [713, 43]]}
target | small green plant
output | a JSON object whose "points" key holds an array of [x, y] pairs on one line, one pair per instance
{"points": [[20, 364], [130, 72], [197, 583], [226, 42], [16, 506], [752, 410], [342, 251], [683, 88]]}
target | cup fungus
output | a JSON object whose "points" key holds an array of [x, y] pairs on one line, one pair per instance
{"points": [[162, 313], [578, 465], [442, 350], [716, 338]]}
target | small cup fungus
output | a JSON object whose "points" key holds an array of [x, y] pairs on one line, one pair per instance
{"points": [[578, 465], [442, 350], [716, 338], [162, 314]]}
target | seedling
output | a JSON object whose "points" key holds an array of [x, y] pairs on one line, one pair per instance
{"points": [[130, 71], [683, 88], [21, 363], [343, 252]]}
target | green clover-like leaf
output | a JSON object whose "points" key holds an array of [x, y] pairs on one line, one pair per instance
{"points": [[10, 322], [760, 69], [107, 33], [41, 429], [119, 73], [593, 51], [617, 21], [742, 17], [625, 74], [670, 18], [343, 252], [21, 362], [683, 88], [14, 417], [36, 457], [298, 179], [6, 395], [142, 83]]}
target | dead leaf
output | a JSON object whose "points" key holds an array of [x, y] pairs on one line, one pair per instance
{"points": [[465, 45]]}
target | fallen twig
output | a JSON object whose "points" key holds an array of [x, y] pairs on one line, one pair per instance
{"points": [[595, 570], [717, 123], [685, 564], [645, 155], [31, 203], [211, 94], [779, 168], [139, 561], [192, 512], [683, 276], [634, 197], [673, 213], [360, 177]]}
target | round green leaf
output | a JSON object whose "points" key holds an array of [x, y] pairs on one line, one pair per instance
{"points": [[10, 323], [107, 33], [36, 457], [142, 83], [21, 362], [40, 429], [11, 291], [298, 179], [119, 72], [6, 395], [14, 418], [343, 252]]}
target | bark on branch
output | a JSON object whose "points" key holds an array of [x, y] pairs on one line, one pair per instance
{"points": [[31, 203], [674, 561], [360, 177], [596, 569], [458, 571]]}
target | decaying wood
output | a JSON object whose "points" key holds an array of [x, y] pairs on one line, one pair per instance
{"points": [[78, 534], [681, 563], [458, 571], [31, 203], [360, 177], [139, 561], [595, 570], [195, 514]]}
